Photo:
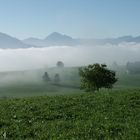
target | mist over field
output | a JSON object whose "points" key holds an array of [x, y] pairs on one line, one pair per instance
{"points": [[34, 58]]}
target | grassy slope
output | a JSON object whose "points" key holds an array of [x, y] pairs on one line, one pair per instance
{"points": [[105, 115]]}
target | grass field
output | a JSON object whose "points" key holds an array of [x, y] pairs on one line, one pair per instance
{"points": [[104, 115], [31, 109]]}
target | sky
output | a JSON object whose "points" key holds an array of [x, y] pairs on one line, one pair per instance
{"points": [[77, 18]]}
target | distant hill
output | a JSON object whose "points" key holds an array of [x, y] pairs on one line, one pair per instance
{"points": [[54, 39], [57, 39], [122, 39], [7, 41], [113, 41]]}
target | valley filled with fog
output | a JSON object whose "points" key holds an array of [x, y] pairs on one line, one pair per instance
{"points": [[35, 58]]}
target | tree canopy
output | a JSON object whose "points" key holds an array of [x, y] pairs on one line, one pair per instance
{"points": [[96, 76]]}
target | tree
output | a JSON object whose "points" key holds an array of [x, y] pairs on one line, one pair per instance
{"points": [[56, 78], [46, 77], [97, 76], [60, 64]]}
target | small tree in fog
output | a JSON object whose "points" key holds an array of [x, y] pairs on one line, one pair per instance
{"points": [[60, 64], [96, 76], [57, 78], [46, 77]]}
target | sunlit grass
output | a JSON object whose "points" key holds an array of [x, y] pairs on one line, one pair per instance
{"points": [[103, 115]]}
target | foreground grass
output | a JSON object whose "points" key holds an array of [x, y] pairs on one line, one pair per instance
{"points": [[104, 115]]}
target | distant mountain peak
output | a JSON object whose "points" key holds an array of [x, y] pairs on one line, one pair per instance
{"points": [[55, 33], [58, 36]]}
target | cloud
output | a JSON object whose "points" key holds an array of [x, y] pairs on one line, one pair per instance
{"points": [[33, 58]]}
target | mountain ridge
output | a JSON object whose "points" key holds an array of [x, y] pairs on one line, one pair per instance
{"points": [[58, 39], [51, 40]]}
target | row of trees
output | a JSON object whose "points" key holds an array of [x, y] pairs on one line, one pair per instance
{"points": [[47, 78], [130, 67], [93, 77]]}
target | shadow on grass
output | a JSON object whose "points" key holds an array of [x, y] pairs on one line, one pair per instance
{"points": [[66, 86]]}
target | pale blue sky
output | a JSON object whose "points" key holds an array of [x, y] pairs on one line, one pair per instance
{"points": [[77, 18]]}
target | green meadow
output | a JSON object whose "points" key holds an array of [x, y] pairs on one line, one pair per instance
{"points": [[32, 109]]}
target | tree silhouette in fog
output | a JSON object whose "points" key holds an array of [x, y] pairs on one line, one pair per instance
{"points": [[57, 78], [60, 64], [46, 77]]}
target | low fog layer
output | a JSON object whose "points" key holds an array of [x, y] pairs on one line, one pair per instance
{"points": [[33, 58]]}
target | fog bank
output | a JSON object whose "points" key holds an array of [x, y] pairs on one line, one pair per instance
{"points": [[34, 58]]}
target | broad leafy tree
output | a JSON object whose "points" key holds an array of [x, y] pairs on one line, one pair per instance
{"points": [[97, 76]]}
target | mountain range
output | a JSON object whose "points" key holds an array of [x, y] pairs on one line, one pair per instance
{"points": [[57, 39]]}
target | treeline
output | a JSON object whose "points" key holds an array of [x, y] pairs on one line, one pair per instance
{"points": [[133, 68], [129, 67]]}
